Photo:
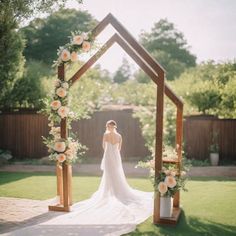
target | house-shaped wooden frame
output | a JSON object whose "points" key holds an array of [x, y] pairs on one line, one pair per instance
{"points": [[153, 69]]}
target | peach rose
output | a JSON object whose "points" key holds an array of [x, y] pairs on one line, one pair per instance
{"points": [[86, 46], [170, 181], [61, 157], [183, 173], [55, 104], [78, 40], [65, 55], [61, 92], [162, 187], [173, 173], [74, 56], [63, 111], [59, 146], [65, 85]]}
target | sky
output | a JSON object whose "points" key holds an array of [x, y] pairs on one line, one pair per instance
{"points": [[209, 26]]}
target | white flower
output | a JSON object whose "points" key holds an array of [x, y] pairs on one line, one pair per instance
{"points": [[74, 56], [65, 85], [63, 111], [55, 131], [57, 83], [86, 46], [69, 154], [59, 146], [85, 36], [78, 39], [61, 157], [65, 55], [61, 92], [55, 104]]}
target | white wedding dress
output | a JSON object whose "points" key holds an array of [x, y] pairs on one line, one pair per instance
{"points": [[114, 209]]}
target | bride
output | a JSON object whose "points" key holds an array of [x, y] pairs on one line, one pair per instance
{"points": [[114, 209]]}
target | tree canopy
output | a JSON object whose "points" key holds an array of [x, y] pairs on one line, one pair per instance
{"points": [[44, 36], [123, 73], [169, 47]]}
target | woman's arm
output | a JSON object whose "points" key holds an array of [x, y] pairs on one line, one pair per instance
{"points": [[103, 141], [120, 143]]}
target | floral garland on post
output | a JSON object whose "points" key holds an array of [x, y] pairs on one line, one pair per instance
{"points": [[58, 106]]}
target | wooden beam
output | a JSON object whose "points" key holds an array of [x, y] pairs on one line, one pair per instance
{"points": [[92, 60], [147, 69], [159, 143]]}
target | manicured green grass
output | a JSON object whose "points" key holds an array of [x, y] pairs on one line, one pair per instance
{"points": [[209, 207]]}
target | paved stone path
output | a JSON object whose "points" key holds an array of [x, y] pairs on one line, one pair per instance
{"points": [[17, 213]]}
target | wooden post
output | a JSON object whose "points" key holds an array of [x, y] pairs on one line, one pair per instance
{"points": [[64, 174], [179, 135], [59, 184], [158, 148]]}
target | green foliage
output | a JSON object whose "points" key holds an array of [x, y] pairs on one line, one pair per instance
{"points": [[28, 91], [44, 36], [11, 47], [209, 88], [13, 13], [169, 48], [123, 73]]}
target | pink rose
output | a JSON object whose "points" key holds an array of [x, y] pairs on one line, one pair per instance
{"points": [[162, 187], [61, 157], [59, 146], [170, 181], [63, 111], [65, 55], [55, 104], [61, 92], [86, 46], [78, 40]]}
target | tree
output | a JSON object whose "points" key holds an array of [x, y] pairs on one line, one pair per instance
{"points": [[44, 36], [169, 47], [12, 13], [11, 58], [123, 73], [209, 88]]}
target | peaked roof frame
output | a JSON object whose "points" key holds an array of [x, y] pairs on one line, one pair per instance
{"points": [[155, 71]]}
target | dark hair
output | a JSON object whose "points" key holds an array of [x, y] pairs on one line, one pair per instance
{"points": [[111, 122]]}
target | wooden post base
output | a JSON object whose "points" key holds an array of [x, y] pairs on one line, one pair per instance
{"points": [[170, 220], [59, 208]]}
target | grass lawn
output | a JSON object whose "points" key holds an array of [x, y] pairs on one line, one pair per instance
{"points": [[209, 207]]}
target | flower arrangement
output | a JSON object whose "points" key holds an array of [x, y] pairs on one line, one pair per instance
{"points": [[57, 107], [170, 179], [79, 43]]}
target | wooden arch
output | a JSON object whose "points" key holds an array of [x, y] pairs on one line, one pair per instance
{"points": [[153, 69]]}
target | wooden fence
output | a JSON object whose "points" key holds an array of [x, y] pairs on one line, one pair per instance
{"points": [[198, 131], [21, 133]]}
